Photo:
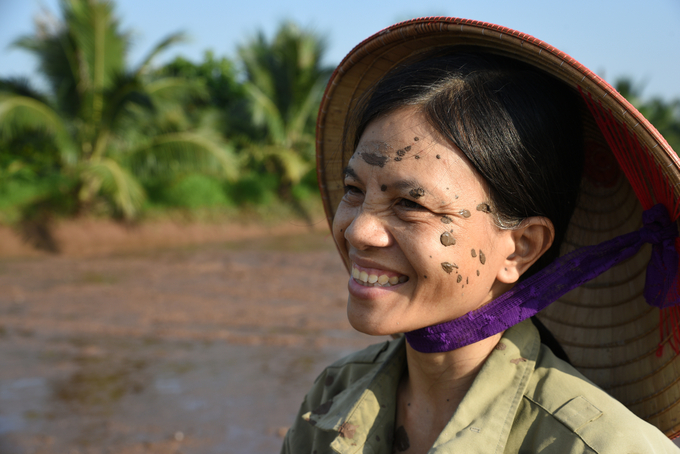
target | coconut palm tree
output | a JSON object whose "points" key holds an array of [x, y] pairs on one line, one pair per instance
{"points": [[285, 80], [109, 121]]}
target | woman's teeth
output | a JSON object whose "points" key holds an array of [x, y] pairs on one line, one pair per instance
{"points": [[373, 280]]}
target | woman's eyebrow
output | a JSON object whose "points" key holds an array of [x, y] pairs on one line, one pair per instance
{"points": [[406, 185], [349, 172]]}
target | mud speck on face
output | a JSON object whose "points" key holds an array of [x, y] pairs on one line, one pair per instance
{"points": [[447, 239], [397, 159], [484, 208], [467, 280], [415, 139], [401, 152], [446, 220], [448, 267], [474, 254], [477, 272], [464, 213], [460, 278], [383, 188], [439, 157], [417, 193], [401, 442], [482, 257], [407, 148], [374, 159], [417, 156]]}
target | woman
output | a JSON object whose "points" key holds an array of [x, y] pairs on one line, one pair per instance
{"points": [[458, 160]]}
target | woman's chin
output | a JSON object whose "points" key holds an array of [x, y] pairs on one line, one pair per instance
{"points": [[369, 322]]}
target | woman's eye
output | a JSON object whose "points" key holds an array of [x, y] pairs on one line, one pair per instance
{"points": [[406, 203], [349, 189]]}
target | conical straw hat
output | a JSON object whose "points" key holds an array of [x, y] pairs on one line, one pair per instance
{"points": [[610, 333]]}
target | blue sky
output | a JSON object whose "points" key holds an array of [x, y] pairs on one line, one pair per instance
{"points": [[611, 37]]}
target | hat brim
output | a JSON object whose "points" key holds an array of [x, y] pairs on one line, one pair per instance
{"points": [[605, 326]]}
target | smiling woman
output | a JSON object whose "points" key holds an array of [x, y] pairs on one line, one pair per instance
{"points": [[470, 181], [398, 231]]}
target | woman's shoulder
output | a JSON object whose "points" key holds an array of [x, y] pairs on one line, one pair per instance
{"points": [[559, 399], [338, 387]]}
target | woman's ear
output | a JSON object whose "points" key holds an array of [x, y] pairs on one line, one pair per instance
{"points": [[532, 238]]}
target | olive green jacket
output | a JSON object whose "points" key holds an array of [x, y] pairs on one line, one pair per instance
{"points": [[524, 399]]}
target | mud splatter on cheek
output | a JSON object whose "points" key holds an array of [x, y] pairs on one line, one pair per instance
{"points": [[482, 257], [415, 139], [417, 193], [397, 159], [484, 207], [417, 156], [383, 188], [460, 278], [474, 254], [439, 157], [464, 213], [477, 272], [446, 220], [447, 239], [448, 267]]}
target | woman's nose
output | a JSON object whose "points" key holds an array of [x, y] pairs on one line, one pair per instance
{"points": [[367, 231]]}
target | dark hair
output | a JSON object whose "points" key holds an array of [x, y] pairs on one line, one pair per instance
{"points": [[518, 127]]}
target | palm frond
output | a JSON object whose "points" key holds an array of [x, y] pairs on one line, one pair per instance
{"points": [[21, 86], [266, 113], [21, 114], [174, 38], [286, 162], [112, 180], [182, 152], [176, 89]]}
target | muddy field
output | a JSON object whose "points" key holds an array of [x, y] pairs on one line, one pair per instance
{"points": [[162, 341]]}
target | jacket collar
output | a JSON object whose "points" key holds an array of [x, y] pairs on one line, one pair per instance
{"points": [[364, 412]]}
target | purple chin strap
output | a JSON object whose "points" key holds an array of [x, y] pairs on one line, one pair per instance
{"points": [[564, 274]]}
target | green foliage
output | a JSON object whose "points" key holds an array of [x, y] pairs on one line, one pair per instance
{"points": [[108, 123], [196, 191], [111, 139], [284, 84], [225, 96], [254, 189], [664, 115]]}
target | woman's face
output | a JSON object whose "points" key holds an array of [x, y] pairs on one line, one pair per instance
{"points": [[416, 228]]}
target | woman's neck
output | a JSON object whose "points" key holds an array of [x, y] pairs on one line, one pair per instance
{"points": [[431, 390]]}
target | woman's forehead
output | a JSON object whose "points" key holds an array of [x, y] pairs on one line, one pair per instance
{"points": [[401, 148]]}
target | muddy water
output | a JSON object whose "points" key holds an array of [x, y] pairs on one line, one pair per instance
{"points": [[201, 350]]}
